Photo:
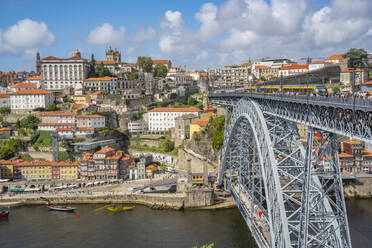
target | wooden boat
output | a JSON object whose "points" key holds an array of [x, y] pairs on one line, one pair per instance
{"points": [[60, 208], [4, 215], [119, 209]]}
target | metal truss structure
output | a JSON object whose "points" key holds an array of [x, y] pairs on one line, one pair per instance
{"points": [[347, 117], [288, 194]]}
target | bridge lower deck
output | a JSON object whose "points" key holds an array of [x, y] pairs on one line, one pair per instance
{"points": [[257, 224]]}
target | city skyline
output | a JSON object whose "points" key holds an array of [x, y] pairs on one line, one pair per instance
{"points": [[199, 35]]}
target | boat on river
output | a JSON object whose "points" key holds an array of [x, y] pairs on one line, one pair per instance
{"points": [[119, 209], [61, 208], [4, 215]]}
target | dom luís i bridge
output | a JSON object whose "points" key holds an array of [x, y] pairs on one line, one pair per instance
{"points": [[290, 194]]}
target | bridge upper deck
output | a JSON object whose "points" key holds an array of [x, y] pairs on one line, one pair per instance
{"points": [[343, 103]]}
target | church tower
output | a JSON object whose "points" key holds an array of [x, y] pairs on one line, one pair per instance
{"points": [[38, 64], [114, 55], [77, 53]]}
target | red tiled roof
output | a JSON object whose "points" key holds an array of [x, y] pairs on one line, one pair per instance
{"points": [[90, 116], [160, 61], [294, 67], [106, 62], [100, 79], [25, 85], [64, 129], [262, 67], [3, 95], [59, 114], [190, 109], [246, 64], [32, 92], [320, 62], [201, 122], [34, 78], [72, 58], [335, 56]]}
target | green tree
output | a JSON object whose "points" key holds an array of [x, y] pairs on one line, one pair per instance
{"points": [[103, 71], [52, 107], [145, 63], [30, 122], [92, 67], [335, 89], [357, 57], [131, 75], [173, 96], [160, 71], [192, 101], [5, 110], [215, 128], [168, 145]]}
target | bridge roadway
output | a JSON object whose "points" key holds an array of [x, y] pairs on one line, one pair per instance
{"points": [[344, 116]]}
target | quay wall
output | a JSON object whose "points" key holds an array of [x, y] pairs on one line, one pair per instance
{"points": [[361, 187], [168, 200]]}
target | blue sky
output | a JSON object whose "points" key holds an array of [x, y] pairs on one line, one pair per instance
{"points": [[198, 34]]}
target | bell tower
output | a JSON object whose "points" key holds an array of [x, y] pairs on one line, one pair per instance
{"points": [[38, 64]]}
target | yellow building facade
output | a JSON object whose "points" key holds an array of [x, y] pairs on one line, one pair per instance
{"points": [[81, 99], [197, 125]]}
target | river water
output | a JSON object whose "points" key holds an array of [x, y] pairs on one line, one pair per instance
{"points": [[36, 227]]}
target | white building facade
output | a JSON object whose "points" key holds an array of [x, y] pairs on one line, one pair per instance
{"points": [[161, 119], [31, 99], [92, 121], [58, 74], [108, 84], [4, 100]]}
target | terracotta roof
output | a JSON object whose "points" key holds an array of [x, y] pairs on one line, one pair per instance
{"points": [[57, 124], [345, 155], [64, 129], [72, 58], [32, 92], [90, 116], [34, 78], [4, 129], [320, 62], [262, 67], [190, 109], [80, 96], [351, 70], [25, 85], [11, 161], [335, 56], [59, 114], [246, 64], [160, 61], [106, 62], [114, 157], [3, 95], [353, 142], [106, 149], [201, 122], [294, 67], [100, 79], [97, 93]]}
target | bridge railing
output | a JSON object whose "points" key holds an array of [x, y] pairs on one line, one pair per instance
{"points": [[350, 101]]}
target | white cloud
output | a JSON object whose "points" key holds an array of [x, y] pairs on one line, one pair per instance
{"points": [[25, 34], [172, 21], [210, 28], [106, 35], [239, 39], [237, 30], [144, 34]]}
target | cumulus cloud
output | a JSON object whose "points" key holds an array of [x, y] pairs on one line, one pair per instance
{"points": [[144, 35], [239, 39], [172, 21], [237, 29], [25, 34], [339, 23], [106, 35]]}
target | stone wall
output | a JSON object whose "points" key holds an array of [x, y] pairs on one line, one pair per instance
{"points": [[358, 188], [196, 163]]}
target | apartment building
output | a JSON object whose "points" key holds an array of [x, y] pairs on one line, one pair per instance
{"points": [[31, 99]]}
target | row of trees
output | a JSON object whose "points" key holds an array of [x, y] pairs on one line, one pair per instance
{"points": [[357, 57], [147, 65], [98, 70]]}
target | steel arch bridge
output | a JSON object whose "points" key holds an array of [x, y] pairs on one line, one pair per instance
{"points": [[288, 194]]}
